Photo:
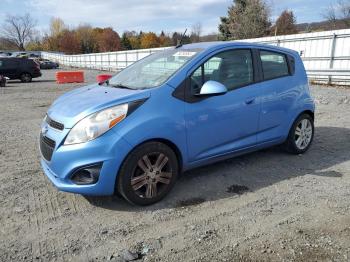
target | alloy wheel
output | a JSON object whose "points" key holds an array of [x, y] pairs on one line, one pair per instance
{"points": [[152, 175], [303, 134]]}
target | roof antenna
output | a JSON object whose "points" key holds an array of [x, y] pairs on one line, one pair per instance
{"points": [[179, 43]]}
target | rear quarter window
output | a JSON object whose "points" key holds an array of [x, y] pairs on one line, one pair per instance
{"points": [[30, 62], [274, 64]]}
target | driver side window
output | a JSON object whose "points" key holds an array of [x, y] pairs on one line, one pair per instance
{"points": [[231, 68]]}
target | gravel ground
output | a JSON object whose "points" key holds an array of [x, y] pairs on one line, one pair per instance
{"points": [[265, 206]]}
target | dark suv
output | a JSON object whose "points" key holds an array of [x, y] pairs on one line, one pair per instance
{"points": [[19, 68]]}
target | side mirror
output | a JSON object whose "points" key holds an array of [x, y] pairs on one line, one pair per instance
{"points": [[212, 88]]}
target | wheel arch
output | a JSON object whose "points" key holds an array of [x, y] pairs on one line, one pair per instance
{"points": [[164, 141], [25, 72], [288, 145], [170, 144], [308, 112]]}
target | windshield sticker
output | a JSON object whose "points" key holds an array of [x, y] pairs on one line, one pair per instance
{"points": [[183, 53]]}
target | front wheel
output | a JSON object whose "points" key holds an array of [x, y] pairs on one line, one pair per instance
{"points": [[148, 173], [300, 135]]}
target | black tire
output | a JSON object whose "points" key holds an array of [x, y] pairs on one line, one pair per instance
{"points": [[291, 144], [131, 170], [26, 78]]}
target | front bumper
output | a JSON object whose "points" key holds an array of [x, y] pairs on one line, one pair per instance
{"points": [[36, 74], [109, 149], [104, 186]]}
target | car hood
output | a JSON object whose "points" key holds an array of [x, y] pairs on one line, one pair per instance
{"points": [[73, 106]]}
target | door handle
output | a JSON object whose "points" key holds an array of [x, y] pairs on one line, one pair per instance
{"points": [[249, 101]]}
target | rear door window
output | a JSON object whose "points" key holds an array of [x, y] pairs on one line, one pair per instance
{"points": [[274, 64]]}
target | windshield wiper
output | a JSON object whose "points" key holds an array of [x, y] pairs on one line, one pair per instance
{"points": [[104, 82], [121, 86]]}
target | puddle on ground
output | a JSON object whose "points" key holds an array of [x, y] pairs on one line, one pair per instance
{"points": [[190, 202], [237, 189]]}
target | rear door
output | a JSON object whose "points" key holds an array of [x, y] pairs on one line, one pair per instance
{"points": [[278, 95]]}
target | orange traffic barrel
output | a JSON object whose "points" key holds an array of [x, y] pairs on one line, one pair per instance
{"points": [[63, 77]]}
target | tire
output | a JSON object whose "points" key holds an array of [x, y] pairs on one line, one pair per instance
{"points": [[298, 133], [26, 78], [143, 182]]}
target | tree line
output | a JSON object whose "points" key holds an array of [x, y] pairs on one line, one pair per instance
{"points": [[251, 19], [245, 19]]}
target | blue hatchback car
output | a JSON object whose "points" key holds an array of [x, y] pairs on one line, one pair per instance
{"points": [[173, 111]]}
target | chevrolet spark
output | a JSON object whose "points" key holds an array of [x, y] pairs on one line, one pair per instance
{"points": [[173, 111]]}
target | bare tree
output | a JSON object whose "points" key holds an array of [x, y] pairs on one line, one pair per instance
{"points": [[331, 15], [344, 8], [196, 32], [57, 26], [345, 11], [338, 11], [18, 30]]}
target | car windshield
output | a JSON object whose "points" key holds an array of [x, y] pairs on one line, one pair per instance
{"points": [[154, 70]]}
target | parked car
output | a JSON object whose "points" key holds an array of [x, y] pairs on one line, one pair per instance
{"points": [[20, 54], [5, 54], [173, 111], [19, 68], [47, 64]]}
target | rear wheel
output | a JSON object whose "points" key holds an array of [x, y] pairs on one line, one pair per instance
{"points": [[26, 78], [300, 135], [148, 173]]}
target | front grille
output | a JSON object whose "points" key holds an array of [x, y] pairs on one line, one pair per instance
{"points": [[47, 146], [54, 124]]}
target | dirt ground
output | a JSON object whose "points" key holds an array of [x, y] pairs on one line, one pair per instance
{"points": [[265, 206]]}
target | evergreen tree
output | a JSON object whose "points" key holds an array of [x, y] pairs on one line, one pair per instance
{"points": [[125, 42], [246, 19]]}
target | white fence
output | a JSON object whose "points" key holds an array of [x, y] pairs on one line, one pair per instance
{"points": [[326, 55], [111, 61]]}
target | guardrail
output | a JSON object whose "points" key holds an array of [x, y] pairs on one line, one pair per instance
{"points": [[329, 76], [326, 55], [329, 72]]}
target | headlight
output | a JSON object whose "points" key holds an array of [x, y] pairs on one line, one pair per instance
{"points": [[96, 124]]}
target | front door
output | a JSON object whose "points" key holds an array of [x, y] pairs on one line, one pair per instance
{"points": [[217, 125]]}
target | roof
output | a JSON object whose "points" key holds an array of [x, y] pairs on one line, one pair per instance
{"points": [[216, 44]]}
